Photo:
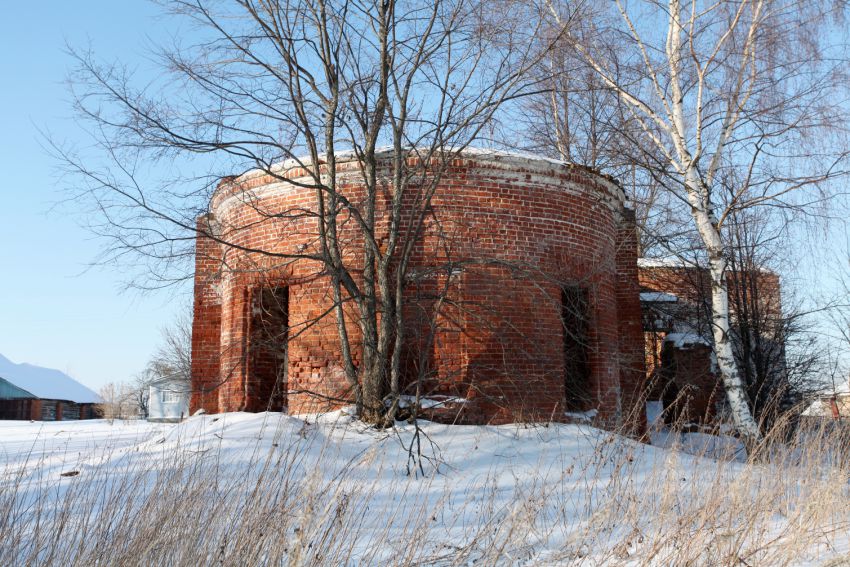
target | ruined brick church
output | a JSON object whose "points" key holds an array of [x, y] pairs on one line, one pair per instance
{"points": [[535, 266]]}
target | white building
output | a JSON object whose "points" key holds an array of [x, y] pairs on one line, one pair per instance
{"points": [[168, 399]]}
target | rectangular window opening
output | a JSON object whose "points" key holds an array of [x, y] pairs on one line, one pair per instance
{"points": [[269, 352], [574, 319]]}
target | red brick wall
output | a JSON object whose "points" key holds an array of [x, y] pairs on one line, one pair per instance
{"points": [[206, 324], [693, 285], [693, 390], [514, 230]]}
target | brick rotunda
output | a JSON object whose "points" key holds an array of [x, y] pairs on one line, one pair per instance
{"points": [[522, 302]]}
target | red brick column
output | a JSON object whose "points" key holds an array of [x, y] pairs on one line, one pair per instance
{"points": [[632, 355], [206, 325]]}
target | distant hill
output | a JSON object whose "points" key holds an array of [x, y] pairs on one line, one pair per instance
{"points": [[46, 383]]}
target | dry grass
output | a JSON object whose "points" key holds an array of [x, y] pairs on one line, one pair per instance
{"points": [[292, 500]]}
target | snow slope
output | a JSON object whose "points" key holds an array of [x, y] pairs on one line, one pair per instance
{"points": [[328, 490]]}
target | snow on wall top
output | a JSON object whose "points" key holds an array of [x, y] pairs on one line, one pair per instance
{"points": [[675, 262], [658, 297], [669, 262], [686, 339], [505, 158], [465, 152], [45, 383]]}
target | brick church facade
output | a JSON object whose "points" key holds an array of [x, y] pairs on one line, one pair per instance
{"points": [[537, 262], [523, 300]]}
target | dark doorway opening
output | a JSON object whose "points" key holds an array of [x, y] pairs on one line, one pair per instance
{"points": [[574, 318], [269, 361]]}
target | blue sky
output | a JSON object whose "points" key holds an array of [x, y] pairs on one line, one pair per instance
{"points": [[55, 312]]}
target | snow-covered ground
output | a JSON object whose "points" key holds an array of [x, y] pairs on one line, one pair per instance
{"points": [[45, 447], [269, 488]]}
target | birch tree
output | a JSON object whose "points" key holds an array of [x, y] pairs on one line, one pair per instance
{"points": [[749, 85]]}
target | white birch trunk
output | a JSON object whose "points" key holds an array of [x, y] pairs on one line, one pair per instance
{"points": [[733, 384], [736, 392]]}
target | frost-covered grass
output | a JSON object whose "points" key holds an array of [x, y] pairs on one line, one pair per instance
{"points": [[248, 489]]}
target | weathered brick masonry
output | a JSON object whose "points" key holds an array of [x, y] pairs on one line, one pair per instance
{"points": [[510, 239], [682, 372]]}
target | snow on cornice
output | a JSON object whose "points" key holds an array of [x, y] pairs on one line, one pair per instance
{"points": [[251, 185], [668, 262], [482, 154], [674, 262], [685, 339], [658, 297]]}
